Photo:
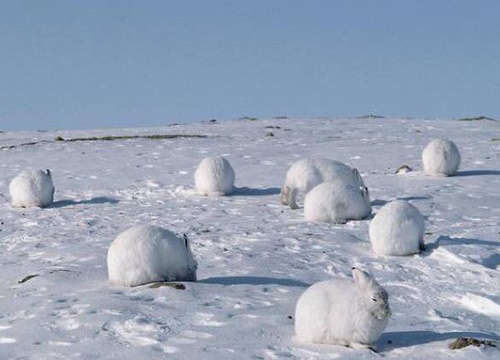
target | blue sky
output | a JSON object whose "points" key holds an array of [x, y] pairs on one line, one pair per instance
{"points": [[94, 63]]}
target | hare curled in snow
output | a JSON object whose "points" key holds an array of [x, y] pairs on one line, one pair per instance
{"points": [[214, 177], [441, 158], [305, 174], [343, 312], [337, 202], [145, 254], [397, 229], [32, 188]]}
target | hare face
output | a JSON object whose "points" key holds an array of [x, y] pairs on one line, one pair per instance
{"points": [[377, 303]]}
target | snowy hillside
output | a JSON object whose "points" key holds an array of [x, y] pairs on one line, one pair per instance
{"points": [[255, 256]]}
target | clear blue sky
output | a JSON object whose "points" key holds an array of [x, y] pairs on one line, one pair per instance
{"points": [[107, 63]]}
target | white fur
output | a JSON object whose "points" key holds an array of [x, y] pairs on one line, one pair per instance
{"points": [[343, 312], [214, 177], [441, 158], [337, 202], [144, 254], [305, 174], [32, 188], [397, 229]]}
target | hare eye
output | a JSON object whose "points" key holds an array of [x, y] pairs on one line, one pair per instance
{"points": [[373, 299]]}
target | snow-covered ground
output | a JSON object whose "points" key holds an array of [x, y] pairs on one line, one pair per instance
{"points": [[255, 256]]}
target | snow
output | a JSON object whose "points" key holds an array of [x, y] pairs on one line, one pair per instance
{"points": [[255, 256]]}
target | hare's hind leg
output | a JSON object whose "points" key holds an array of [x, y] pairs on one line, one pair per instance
{"points": [[357, 345], [293, 199], [288, 196], [285, 195]]}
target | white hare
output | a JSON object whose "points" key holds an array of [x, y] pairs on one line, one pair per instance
{"points": [[343, 312], [397, 229], [214, 177], [144, 254], [441, 158], [337, 202], [32, 188], [305, 174]]}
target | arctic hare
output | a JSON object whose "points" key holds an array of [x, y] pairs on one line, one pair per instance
{"points": [[305, 174], [337, 202], [32, 188], [214, 177], [441, 158], [144, 254], [397, 229], [343, 312]]}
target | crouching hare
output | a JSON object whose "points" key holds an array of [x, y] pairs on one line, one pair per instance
{"points": [[307, 173], [343, 312], [32, 188], [214, 177], [397, 229], [441, 158], [145, 254], [337, 202]]}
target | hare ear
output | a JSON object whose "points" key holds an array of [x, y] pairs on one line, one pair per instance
{"points": [[186, 241], [364, 191], [48, 172], [357, 176], [361, 278]]}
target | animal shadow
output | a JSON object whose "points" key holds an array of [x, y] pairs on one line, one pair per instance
{"points": [[245, 191], [96, 200], [398, 339], [478, 172], [414, 198], [380, 202], [493, 260], [252, 280]]}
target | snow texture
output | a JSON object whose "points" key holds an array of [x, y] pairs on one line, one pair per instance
{"points": [[343, 312], [256, 256], [307, 173], [145, 254], [441, 158], [32, 188], [214, 177], [397, 229], [337, 202]]}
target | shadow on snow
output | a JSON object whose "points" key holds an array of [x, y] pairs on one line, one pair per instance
{"points": [[393, 340], [245, 191], [252, 280], [478, 172], [491, 261], [96, 200], [448, 240], [379, 202]]}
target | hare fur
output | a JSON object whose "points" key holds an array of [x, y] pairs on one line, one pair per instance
{"points": [[337, 202], [343, 312], [397, 229], [441, 158], [214, 177], [32, 188], [305, 174], [145, 254]]}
